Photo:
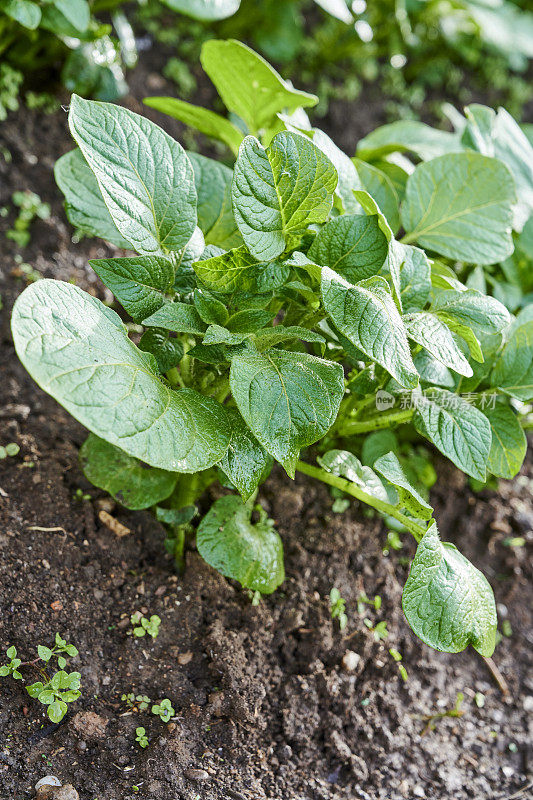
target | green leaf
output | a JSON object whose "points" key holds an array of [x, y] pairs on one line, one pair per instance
{"points": [[123, 477], [448, 603], [473, 309], [70, 696], [77, 12], [237, 270], [4, 670], [415, 276], [248, 85], [145, 176], [11, 652], [44, 652], [389, 467], [509, 443], [203, 120], [367, 315], [84, 203], [428, 330], [288, 400], [211, 310], [352, 245], [24, 12], [269, 337], [216, 334], [176, 516], [465, 332], [78, 351], [35, 689], [138, 283], [57, 710], [250, 320], [205, 10], [459, 430], [177, 317], [61, 662], [380, 187], [416, 137], [345, 169], [167, 351], [377, 444], [460, 205], [215, 213], [245, 462], [346, 465], [278, 192], [233, 545], [513, 371]]}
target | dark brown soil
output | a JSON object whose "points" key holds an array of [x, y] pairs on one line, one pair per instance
{"points": [[264, 706]]}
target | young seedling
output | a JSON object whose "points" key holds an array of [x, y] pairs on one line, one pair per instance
{"points": [[337, 608], [379, 629], [139, 702], [11, 449], [56, 690], [163, 710], [142, 625], [81, 496], [432, 719], [300, 297], [397, 656], [141, 738], [363, 601], [31, 206]]}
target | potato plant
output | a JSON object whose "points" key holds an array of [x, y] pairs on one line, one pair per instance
{"points": [[298, 297]]}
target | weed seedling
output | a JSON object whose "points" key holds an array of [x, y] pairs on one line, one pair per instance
{"points": [[31, 206], [143, 625], [337, 608], [379, 630], [139, 702], [163, 710], [363, 601], [141, 738], [397, 656], [80, 495], [11, 449], [432, 719]]}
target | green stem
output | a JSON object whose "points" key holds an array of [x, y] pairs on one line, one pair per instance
{"points": [[375, 423], [355, 491], [408, 238], [174, 378]]}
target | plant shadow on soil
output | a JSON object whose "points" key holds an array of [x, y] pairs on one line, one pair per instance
{"points": [[264, 707]]}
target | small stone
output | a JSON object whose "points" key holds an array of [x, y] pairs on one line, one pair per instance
{"points": [[48, 780], [350, 661], [89, 725], [196, 774], [48, 792], [528, 703], [508, 772]]}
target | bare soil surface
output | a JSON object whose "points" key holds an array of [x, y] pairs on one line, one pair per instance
{"points": [[265, 705]]}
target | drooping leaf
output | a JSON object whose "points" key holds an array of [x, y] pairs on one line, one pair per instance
{"points": [[239, 271], [433, 334], [248, 85], [278, 192], [410, 135], [125, 478], [288, 400], [389, 467], [177, 317], [138, 283], [78, 351], [215, 213], [249, 553], [245, 462], [377, 444], [84, 203], [202, 119], [447, 601], [458, 429], [509, 443], [352, 245], [346, 465], [460, 205], [513, 371], [367, 315], [145, 176]]}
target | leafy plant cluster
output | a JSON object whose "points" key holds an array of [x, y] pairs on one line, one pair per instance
{"points": [[297, 298], [55, 690]]}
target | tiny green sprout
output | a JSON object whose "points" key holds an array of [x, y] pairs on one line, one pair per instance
{"points": [[163, 710], [31, 206], [11, 449], [139, 702], [337, 608], [506, 628], [397, 656], [340, 505], [432, 719], [379, 630], [363, 600], [11, 668], [143, 625], [514, 541], [394, 541], [479, 699], [141, 738], [80, 495]]}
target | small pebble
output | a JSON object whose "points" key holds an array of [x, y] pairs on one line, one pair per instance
{"points": [[196, 774], [48, 780], [350, 660]]}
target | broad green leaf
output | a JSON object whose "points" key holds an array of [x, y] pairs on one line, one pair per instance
{"points": [[278, 192], [377, 444], [288, 400], [428, 330], [269, 337], [125, 478], [354, 246], [458, 429], [380, 187], [395, 256], [177, 317], [44, 652], [238, 271], [348, 179], [416, 137], [24, 12], [248, 85], [250, 320], [78, 351], [215, 213], [367, 315], [211, 310], [84, 203], [139, 283], [460, 206], [245, 462], [513, 371], [347, 466], [145, 176], [205, 10], [389, 467], [77, 12], [249, 553], [466, 333], [471, 308], [433, 372], [509, 443], [216, 334], [202, 119], [415, 276], [57, 710], [447, 601], [166, 350]]}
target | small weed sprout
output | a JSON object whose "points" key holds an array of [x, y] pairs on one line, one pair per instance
{"points": [[81, 496], [11, 449], [163, 710], [337, 608], [141, 738], [397, 656], [432, 719], [31, 206], [142, 625], [363, 601], [379, 630], [139, 702]]}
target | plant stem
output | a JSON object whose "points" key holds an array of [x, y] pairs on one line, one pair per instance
{"points": [[350, 428], [351, 488], [408, 238], [174, 378]]}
